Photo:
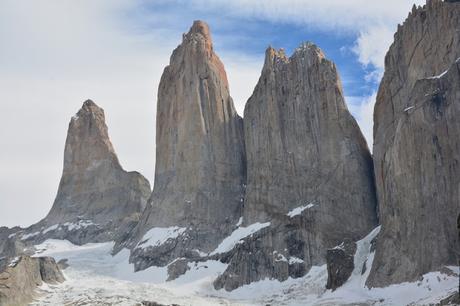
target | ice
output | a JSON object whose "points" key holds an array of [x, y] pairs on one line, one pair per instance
{"points": [[298, 210], [241, 232], [240, 221], [94, 277], [159, 235]]}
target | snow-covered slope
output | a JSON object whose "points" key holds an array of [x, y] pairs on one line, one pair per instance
{"points": [[96, 277]]}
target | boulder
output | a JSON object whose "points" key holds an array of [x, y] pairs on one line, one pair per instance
{"points": [[340, 264], [22, 275]]}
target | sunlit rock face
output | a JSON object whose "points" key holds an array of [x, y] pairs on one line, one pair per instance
{"points": [[200, 162], [417, 146]]}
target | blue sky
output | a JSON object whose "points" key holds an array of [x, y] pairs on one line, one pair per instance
{"points": [[251, 35], [57, 53]]}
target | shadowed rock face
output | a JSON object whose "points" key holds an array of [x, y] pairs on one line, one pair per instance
{"points": [[340, 264], [417, 146], [303, 149], [200, 164], [96, 197]]}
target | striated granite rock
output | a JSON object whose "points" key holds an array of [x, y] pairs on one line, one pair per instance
{"points": [[96, 200], [417, 146], [22, 275], [200, 163], [309, 171], [303, 146]]}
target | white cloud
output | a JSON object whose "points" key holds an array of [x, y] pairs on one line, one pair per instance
{"points": [[55, 54], [363, 111], [350, 15], [372, 45], [373, 21]]}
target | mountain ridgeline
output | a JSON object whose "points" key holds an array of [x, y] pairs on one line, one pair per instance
{"points": [[291, 185]]}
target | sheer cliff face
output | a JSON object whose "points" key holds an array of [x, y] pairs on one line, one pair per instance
{"points": [[303, 146], [94, 187], [417, 146], [309, 171], [200, 167]]}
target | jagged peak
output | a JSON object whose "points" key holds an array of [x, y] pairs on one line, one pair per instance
{"points": [[305, 49], [420, 10], [271, 54], [200, 27], [89, 107], [89, 104], [199, 32], [309, 47]]}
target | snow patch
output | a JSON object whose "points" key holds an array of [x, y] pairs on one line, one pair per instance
{"points": [[298, 210], [71, 226], [295, 260], [201, 253], [51, 228], [27, 236], [199, 271], [438, 76], [408, 108], [80, 224], [240, 221], [159, 235], [14, 262], [279, 256], [236, 237]]}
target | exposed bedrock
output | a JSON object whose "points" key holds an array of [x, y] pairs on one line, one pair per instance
{"points": [[310, 173], [97, 200], [417, 146], [200, 160]]}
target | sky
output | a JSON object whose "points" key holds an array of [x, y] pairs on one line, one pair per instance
{"points": [[54, 54]]}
